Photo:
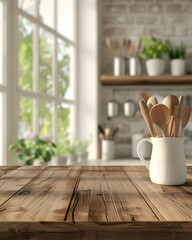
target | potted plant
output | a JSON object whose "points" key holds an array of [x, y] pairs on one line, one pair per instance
{"points": [[30, 151], [153, 52], [71, 151], [83, 149], [177, 56], [62, 152]]}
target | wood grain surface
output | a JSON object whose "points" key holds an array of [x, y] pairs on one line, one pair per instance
{"points": [[106, 202]]}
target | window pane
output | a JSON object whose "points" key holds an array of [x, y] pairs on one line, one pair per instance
{"points": [[1, 42], [46, 10], [25, 117], [64, 70], [25, 54], [65, 120], [46, 56], [1, 129], [66, 13], [27, 5], [45, 118]]}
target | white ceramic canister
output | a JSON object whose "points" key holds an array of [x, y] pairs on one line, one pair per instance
{"points": [[107, 149], [129, 108], [134, 66], [119, 66], [112, 108]]}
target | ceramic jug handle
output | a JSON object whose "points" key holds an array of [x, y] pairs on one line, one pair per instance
{"points": [[139, 153]]}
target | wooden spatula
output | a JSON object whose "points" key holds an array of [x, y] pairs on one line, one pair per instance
{"points": [[176, 120], [186, 116], [146, 116]]}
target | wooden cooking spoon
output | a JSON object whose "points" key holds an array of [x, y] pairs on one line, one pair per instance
{"points": [[146, 116], [186, 116], [145, 96], [151, 102], [170, 101], [126, 45], [181, 99], [161, 115]]}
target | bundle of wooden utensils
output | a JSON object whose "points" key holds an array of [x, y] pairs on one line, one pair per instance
{"points": [[107, 133], [166, 119], [130, 49]]}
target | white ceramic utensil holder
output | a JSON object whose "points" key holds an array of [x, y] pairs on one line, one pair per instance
{"points": [[107, 149], [167, 165]]}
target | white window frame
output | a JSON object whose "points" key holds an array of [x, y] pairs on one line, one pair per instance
{"points": [[14, 92], [4, 88]]}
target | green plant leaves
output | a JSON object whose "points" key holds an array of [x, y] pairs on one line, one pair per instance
{"points": [[177, 52], [153, 48], [29, 150]]}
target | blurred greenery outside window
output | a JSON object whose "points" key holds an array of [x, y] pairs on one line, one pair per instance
{"points": [[46, 99]]}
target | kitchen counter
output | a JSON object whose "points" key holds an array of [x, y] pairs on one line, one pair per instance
{"points": [[74, 202]]}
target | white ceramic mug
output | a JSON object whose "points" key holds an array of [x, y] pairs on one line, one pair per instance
{"points": [[167, 165]]}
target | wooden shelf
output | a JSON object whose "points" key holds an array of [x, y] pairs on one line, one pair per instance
{"points": [[146, 80]]}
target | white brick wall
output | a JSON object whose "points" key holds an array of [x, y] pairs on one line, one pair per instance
{"points": [[167, 19]]}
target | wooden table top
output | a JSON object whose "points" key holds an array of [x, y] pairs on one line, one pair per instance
{"points": [[76, 198]]}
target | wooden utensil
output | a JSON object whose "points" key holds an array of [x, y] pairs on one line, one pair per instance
{"points": [[160, 114], [146, 116], [181, 99], [131, 50], [126, 45], [182, 109], [138, 46], [107, 133], [115, 131], [170, 128], [101, 136], [145, 96], [114, 46], [101, 129], [176, 120], [186, 116], [178, 115], [170, 101], [152, 101]]}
